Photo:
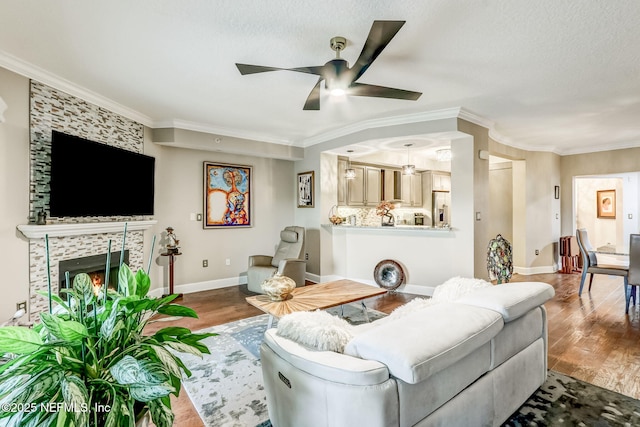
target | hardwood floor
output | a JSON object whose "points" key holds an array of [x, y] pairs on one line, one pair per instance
{"points": [[590, 337]]}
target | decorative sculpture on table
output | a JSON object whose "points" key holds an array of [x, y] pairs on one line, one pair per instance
{"points": [[499, 259], [384, 211], [173, 242], [278, 287]]}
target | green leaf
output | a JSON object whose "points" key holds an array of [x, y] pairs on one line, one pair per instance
{"points": [[178, 310], [184, 348], [173, 331], [83, 285], [18, 340], [167, 359], [76, 397], [145, 393], [66, 330], [55, 298], [126, 281], [161, 415], [143, 283]]}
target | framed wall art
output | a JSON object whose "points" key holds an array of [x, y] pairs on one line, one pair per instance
{"points": [[305, 190], [606, 200], [227, 195]]}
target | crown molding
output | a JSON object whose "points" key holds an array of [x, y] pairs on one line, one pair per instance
{"points": [[219, 131], [31, 71], [447, 113]]}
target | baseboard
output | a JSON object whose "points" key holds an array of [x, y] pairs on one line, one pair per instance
{"points": [[201, 286], [527, 271]]}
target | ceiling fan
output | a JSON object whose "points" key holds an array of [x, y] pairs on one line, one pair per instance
{"points": [[339, 77]]}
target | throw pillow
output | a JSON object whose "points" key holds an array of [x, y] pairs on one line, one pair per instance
{"points": [[457, 287], [316, 329]]}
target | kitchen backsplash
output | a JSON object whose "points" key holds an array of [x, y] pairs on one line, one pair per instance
{"points": [[366, 217]]}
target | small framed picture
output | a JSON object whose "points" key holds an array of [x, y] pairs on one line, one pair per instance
{"points": [[305, 190], [606, 200]]}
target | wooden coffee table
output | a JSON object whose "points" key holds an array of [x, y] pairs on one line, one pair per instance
{"points": [[314, 297]]}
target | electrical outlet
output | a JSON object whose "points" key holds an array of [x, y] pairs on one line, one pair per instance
{"points": [[306, 256], [227, 261], [21, 306], [205, 263], [537, 252]]}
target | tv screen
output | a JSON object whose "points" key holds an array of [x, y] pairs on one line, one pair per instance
{"points": [[93, 179]]}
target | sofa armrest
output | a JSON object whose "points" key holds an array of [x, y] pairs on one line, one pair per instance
{"points": [[331, 366], [264, 260], [511, 300]]}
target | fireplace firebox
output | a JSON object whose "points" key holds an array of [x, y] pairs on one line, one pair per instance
{"points": [[94, 266]]}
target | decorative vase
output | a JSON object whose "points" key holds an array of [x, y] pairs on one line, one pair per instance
{"points": [[278, 287]]}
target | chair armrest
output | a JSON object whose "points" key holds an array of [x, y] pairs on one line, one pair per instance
{"points": [[259, 260], [294, 268]]}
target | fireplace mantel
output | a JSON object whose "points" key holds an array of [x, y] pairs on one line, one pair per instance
{"points": [[31, 231]]}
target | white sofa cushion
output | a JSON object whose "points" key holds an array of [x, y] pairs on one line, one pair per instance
{"points": [[457, 287], [511, 300], [316, 329], [420, 344]]}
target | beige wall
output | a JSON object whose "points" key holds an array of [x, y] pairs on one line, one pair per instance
{"points": [[600, 163], [501, 200], [14, 192], [179, 192]]}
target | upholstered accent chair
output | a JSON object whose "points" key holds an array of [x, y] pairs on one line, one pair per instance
{"points": [[590, 263], [288, 260]]}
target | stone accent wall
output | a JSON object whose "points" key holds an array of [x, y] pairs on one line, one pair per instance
{"points": [[51, 109]]}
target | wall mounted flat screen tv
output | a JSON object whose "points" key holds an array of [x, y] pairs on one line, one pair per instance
{"points": [[89, 178]]}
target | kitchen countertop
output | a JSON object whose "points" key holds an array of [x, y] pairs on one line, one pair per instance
{"points": [[400, 227]]}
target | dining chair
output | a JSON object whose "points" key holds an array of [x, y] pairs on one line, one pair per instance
{"points": [[590, 263], [633, 278]]}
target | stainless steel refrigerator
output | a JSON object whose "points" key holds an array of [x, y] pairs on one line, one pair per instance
{"points": [[440, 209]]}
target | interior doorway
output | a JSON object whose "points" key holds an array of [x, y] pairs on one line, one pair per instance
{"points": [[608, 232]]}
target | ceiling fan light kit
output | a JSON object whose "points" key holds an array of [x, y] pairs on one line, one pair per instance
{"points": [[338, 77]]}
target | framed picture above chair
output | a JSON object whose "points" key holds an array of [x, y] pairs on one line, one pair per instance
{"points": [[305, 190], [227, 195], [606, 200]]}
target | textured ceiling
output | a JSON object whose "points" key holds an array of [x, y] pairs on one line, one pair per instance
{"points": [[553, 75]]}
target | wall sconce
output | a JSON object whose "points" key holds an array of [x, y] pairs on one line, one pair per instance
{"points": [[349, 172], [408, 169], [556, 191], [443, 155]]}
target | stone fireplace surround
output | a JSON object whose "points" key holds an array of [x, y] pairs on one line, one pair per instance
{"points": [[68, 241], [70, 238]]}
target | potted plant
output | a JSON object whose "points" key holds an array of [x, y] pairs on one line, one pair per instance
{"points": [[88, 362]]}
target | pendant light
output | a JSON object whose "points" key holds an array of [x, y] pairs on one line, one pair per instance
{"points": [[408, 169], [349, 172], [444, 155]]}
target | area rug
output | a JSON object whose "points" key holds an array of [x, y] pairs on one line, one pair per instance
{"points": [[226, 386]]}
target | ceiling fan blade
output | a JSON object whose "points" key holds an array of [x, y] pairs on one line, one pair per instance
{"points": [[253, 69], [379, 37], [361, 89], [313, 100]]}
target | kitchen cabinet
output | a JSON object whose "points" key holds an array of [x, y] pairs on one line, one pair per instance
{"points": [[440, 181], [342, 182], [365, 188], [391, 184], [412, 190]]}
